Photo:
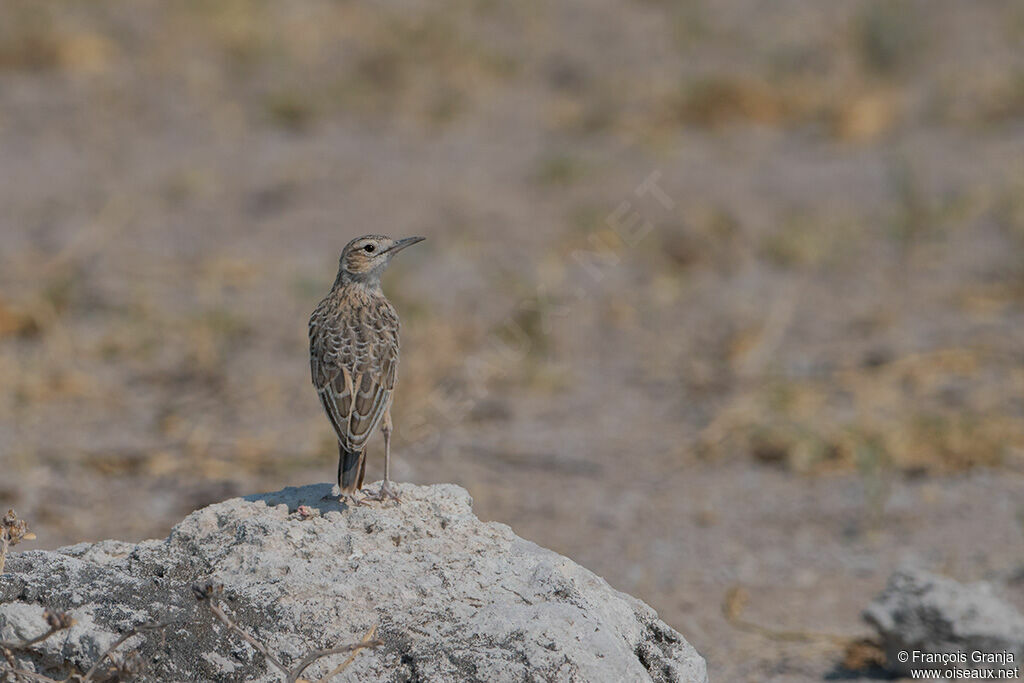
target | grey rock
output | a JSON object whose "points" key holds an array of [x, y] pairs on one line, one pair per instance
{"points": [[926, 613], [453, 598]]}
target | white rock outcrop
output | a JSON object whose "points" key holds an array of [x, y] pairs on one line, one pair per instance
{"points": [[453, 598], [924, 613]]}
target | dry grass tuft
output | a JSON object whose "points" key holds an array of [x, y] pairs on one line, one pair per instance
{"points": [[12, 532], [905, 415], [16, 323], [714, 101]]}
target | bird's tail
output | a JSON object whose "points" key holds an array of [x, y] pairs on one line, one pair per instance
{"points": [[351, 467]]}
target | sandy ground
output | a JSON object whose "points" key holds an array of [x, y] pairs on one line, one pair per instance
{"points": [[714, 296]]}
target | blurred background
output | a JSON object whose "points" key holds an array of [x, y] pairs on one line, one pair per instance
{"points": [[718, 298]]}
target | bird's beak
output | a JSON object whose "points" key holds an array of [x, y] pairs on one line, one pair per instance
{"points": [[402, 244]]}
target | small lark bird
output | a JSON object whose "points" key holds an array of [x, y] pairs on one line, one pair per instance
{"points": [[353, 355]]}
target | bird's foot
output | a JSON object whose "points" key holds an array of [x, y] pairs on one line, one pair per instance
{"points": [[386, 493], [347, 499]]}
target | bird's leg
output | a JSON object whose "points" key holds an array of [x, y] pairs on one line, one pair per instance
{"points": [[386, 492], [385, 488]]}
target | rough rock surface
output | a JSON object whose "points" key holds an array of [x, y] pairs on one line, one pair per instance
{"points": [[453, 598], [934, 614]]}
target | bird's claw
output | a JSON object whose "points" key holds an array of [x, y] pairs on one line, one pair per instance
{"points": [[346, 499], [386, 493]]}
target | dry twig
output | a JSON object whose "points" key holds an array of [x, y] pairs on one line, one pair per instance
{"points": [[209, 594], [61, 621], [57, 622], [367, 641], [141, 628]]}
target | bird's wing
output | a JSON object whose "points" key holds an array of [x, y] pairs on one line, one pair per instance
{"points": [[354, 364]]}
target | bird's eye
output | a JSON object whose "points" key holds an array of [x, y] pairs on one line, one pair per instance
{"points": [[369, 248]]}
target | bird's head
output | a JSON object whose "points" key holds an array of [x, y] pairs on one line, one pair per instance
{"points": [[365, 258]]}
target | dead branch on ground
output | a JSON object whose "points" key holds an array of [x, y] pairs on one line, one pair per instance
{"points": [[209, 594]]}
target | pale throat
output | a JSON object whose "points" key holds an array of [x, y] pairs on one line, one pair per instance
{"points": [[369, 282]]}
